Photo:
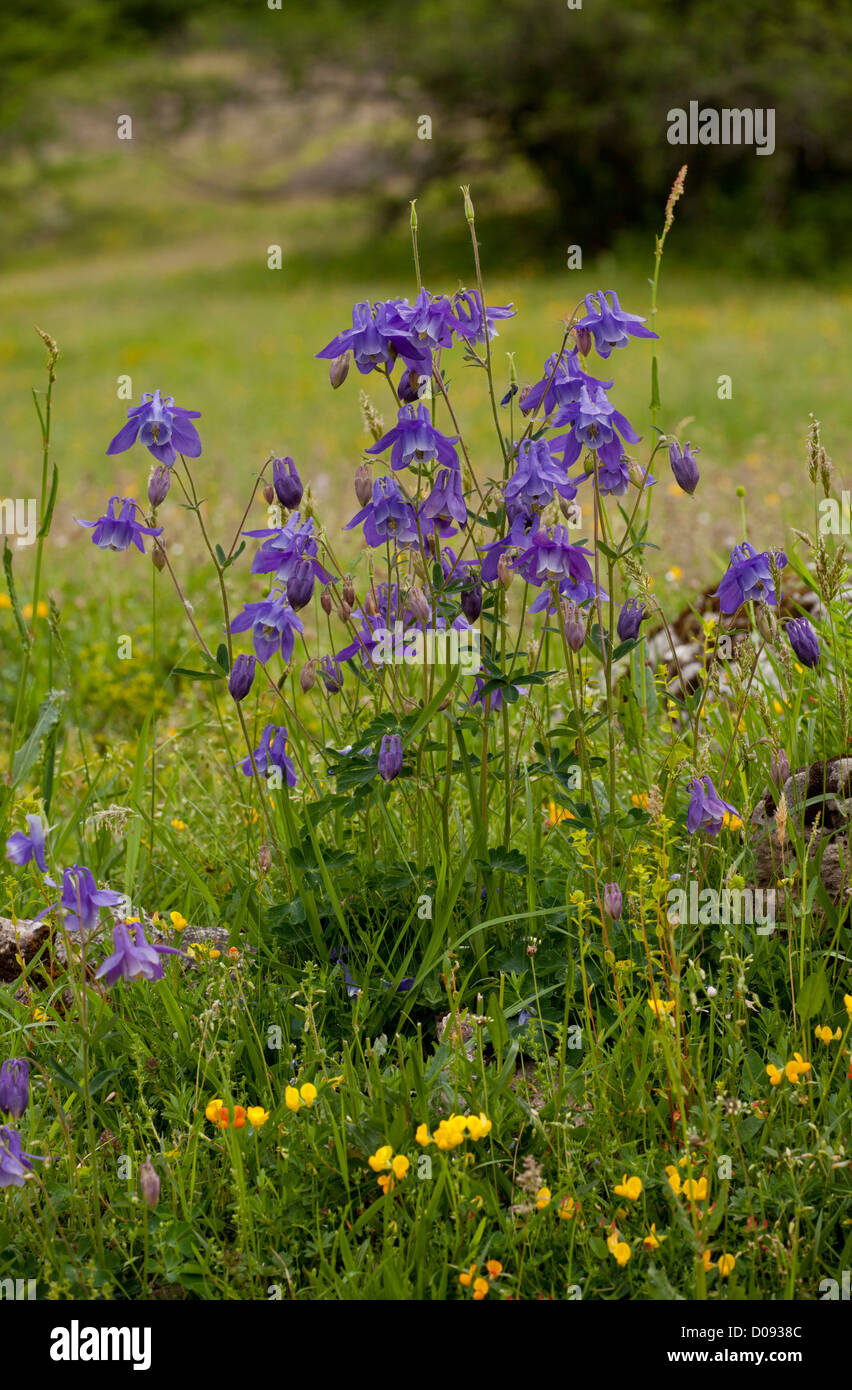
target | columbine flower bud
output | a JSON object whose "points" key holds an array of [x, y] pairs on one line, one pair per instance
{"points": [[803, 640], [574, 624], [419, 605], [149, 1183], [158, 558], [633, 612], [584, 341], [613, 901], [348, 591], [471, 602], [343, 611], [158, 484], [331, 674], [363, 483], [390, 757], [300, 586], [339, 370], [326, 602], [779, 768], [287, 483], [14, 1086], [504, 572], [308, 676], [684, 467], [242, 677], [268, 494], [264, 858], [571, 511]]}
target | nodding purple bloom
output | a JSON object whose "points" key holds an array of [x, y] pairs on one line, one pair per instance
{"points": [[283, 548], [81, 899], [561, 386], [390, 757], [111, 532], [332, 675], [633, 612], [415, 440], [596, 424], [15, 1165], [287, 483], [273, 625], [579, 591], [377, 337], [163, 427], [300, 585], [471, 601], [521, 521], [537, 476], [613, 901], [14, 1086], [706, 807], [610, 326], [446, 500], [26, 845], [803, 640], [430, 318], [749, 577], [387, 516], [550, 556], [131, 960], [684, 467], [455, 570], [375, 619], [272, 753], [241, 679], [469, 322]]}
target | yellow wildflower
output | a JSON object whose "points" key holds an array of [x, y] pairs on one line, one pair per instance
{"points": [[292, 1099], [630, 1188], [726, 1264], [568, 1208], [400, 1166], [213, 1109], [256, 1116], [775, 1076], [542, 1198], [661, 1007], [381, 1159], [178, 824], [480, 1289], [652, 1241], [495, 1269], [422, 1135], [798, 1067], [618, 1248], [467, 1277], [695, 1191], [308, 1092], [824, 1033], [178, 921], [673, 1178], [478, 1125]]}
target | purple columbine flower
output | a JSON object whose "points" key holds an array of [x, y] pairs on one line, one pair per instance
{"points": [[471, 601], [469, 322], [430, 318], [132, 959], [273, 625], [15, 1165], [387, 516], [26, 845], [684, 467], [332, 675], [158, 484], [272, 753], [749, 577], [284, 546], [538, 476], [803, 640], [111, 532], [241, 679], [561, 386], [414, 440], [287, 483], [14, 1086], [81, 899], [550, 556], [390, 757], [610, 326], [446, 500], [596, 424], [580, 591], [377, 338], [633, 612], [613, 902], [706, 807], [163, 427]]}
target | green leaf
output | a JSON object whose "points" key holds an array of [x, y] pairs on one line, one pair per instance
{"points": [[655, 386], [196, 675], [49, 714], [812, 996], [51, 503], [23, 630]]}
